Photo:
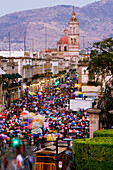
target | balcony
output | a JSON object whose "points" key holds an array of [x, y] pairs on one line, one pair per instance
{"points": [[14, 85], [5, 86], [10, 86], [93, 83]]}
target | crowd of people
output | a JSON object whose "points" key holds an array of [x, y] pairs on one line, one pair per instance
{"points": [[58, 120]]}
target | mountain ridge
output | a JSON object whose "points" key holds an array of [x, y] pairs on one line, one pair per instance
{"points": [[92, 22]]}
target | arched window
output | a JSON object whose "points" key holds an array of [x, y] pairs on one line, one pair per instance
{"points": [[71, 30], [65, 48], [84, 72], [74, 40], [74, 30], [59, 48], [71, 40]]}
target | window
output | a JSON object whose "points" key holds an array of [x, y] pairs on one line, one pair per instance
{"points": [[74, 40], [59, 48], [71, 40], [71, 30], [84, 71], [65, 48], [91, 76], [13, 65], [74, 30]]}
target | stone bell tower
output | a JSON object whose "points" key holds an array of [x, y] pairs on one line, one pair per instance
{"points": [[73, 34]]}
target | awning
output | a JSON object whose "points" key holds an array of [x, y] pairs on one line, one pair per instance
{"points": [[91, 94], [15, 76], [10, 76], [19, 76], [5, 76], [2, 72]]}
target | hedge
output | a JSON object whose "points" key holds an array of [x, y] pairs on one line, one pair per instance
{"points": [[103, 133], [93, 153]]}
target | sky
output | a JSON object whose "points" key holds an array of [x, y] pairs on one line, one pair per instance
{"points": [[10, 6]]}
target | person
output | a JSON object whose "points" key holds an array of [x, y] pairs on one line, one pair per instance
{"points": [[30, 158], [0, 159], [0, 164], [20, 162], [5, 163], [4, 145], [38, 145], [26, 163], [14, 166]]}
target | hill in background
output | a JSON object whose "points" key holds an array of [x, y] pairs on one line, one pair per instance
{"points": [[95, 23]]}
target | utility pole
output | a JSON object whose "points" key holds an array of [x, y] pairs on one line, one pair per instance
{"points": [[24, 42], [45, 38], [9, 45], [32, 45], [47, 58], [57, 153]]}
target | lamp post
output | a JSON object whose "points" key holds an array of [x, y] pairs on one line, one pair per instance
{"points": [[57, 152]]}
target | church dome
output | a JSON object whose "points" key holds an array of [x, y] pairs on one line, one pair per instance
{"points": [[63, 40]]}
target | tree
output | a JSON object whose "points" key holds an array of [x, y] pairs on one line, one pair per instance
{"points": [[101, 59]]}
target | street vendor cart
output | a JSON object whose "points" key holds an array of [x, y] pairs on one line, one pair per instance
{"points": [[51, 158]]}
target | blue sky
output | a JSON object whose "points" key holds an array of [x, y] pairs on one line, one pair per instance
{"points": [[9, 6]]}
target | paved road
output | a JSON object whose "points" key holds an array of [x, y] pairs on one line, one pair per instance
{"points": [[29, 150]]}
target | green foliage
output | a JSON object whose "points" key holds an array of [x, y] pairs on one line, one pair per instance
{"points": [[101, 58], [95, 153], [103, 133]]}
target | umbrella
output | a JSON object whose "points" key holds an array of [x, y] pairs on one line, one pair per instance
{"points": [[57, 88], [32, 114], [23, 113], [36, 130], [63, 85], [1, 114], [78, 94], [2, 136]]}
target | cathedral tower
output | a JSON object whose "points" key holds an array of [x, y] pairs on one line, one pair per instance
{"points": [[73, 34], [68, 45]]}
